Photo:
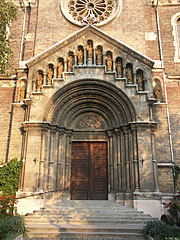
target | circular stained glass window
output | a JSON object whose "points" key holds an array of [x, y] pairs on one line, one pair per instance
{"points": [[83, 12]]}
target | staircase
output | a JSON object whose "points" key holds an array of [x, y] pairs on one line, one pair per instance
{"points": [[87, 220]]}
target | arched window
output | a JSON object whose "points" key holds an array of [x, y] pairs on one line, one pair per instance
{"points": [[178, 33], [175, 22]]}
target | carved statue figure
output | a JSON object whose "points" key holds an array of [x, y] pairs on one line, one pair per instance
{"points": [[90, 51], [157, 92], [49, 76], [22, 93], [70, 63], [139, 81], [60, 69], [80, 57], [109, 62], [129, 75], [39, 82], [99, 56], [119, 69]]}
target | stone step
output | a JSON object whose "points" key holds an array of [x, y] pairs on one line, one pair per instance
{"points": [[65, 228], [109, 232], [86, 236], [92, 222]]}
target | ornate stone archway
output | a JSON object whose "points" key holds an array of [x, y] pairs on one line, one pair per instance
{"points": [[92, 110]]}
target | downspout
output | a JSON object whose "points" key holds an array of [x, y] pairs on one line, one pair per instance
{"points": [[165, 91], [23, 30]]}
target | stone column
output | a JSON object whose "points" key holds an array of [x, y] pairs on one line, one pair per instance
{"points": [[134, 77], [111, 164], [55, 72], [55, 159], [85, 56], [65, 66], [42, 160], [124, 71], [59, 163], [115, 161], [75, 60], [119, 161], [94, 56], [127, 163], [104, 59], [114, 65], [68, 161], [25, 139], [50, 163], [156, 184], [135, 160], [123, 159], [44, 78]]}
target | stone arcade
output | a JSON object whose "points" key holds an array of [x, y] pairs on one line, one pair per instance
{"points": [[89, 133]]}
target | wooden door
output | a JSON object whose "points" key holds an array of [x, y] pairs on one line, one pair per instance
{"points": [[89, 171]]}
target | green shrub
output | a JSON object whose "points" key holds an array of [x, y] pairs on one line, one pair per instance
{"points": [[158, 230], [9, 177], [12, 226]]}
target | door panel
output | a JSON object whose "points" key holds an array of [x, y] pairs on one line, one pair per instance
{"points": [[89, 170], [79, 171], [98, 170]]}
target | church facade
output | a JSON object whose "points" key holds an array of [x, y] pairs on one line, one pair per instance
{"points": [[91, 102]]}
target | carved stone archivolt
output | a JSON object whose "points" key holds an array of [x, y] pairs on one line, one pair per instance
{"points": [[103, 98]]}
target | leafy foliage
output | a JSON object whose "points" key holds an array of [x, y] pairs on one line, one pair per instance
{"points": [[8, 13], [158, 230], [9, 177], [12, 226], [7, 206]]}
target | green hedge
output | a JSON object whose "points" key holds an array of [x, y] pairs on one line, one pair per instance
{"points": [[9, 176]]}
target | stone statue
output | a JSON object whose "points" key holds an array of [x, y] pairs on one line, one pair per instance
{"points": [[139, 81], [22, 93], [157, 91], [39, 82], [109, 62], [129, 75], [90, 51], [70, 63], [99, 56], [119, 69], [49, 76], [80, 57], [60, 69]]}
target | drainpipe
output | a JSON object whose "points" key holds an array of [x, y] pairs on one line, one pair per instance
{"points": [[24, 23], [165, 91]]}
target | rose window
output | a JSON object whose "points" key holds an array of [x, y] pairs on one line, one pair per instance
{"points": [[98, 12], [90, 11]]}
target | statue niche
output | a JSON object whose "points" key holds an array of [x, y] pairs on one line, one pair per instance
{"points": [[109, 63], [119, 67], [60, 67], [22, 91], [80, 55], [139, 80], [129, 73], [99, 55], [157, 89], [70, 61], [50, 74], [39, 80]]}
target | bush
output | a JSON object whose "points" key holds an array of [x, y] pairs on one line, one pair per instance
{"points": [[9, 177], [14, 226], [158, 230]]}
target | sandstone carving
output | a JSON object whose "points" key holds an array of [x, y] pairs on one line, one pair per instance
{"points": [[60, 69], [109, 62]]}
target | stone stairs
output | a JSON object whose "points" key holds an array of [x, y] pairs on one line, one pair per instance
{"points": [[87, 220]]}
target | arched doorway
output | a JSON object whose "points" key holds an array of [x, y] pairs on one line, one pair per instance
{"points": [[92, 121]]}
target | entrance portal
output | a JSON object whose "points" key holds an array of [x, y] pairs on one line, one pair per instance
{"points": [[89, 171]]}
